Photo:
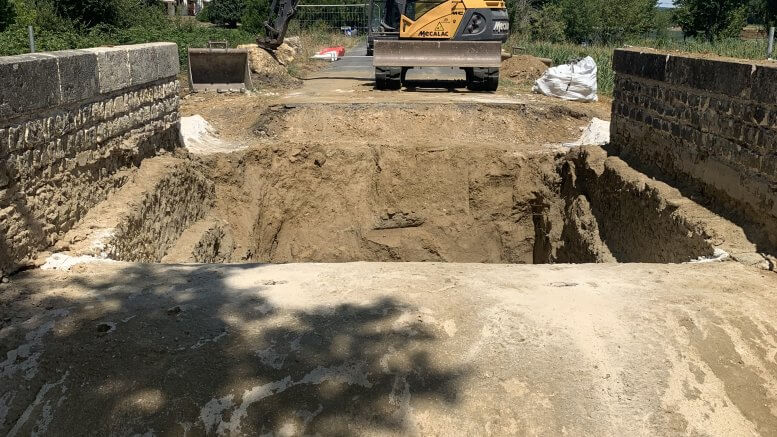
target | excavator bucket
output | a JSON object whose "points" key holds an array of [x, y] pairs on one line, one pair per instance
{"points": [[219, 69]]}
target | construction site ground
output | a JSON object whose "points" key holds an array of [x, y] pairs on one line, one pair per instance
{"points": [[307, 329]]}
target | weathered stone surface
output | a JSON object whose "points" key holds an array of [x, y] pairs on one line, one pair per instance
{"points": [[765, 85], [642, 64], [143, 64], [168, 64], [77, 75], [113, 68], [29, 82], [69, 121], [710, 123]]}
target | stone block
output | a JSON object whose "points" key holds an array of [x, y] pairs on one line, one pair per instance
{"points": [[167, 55], [77, 74], [143, 63], [29, 83], [112, 68], [764, 84], [717, 76], [642, 64]]}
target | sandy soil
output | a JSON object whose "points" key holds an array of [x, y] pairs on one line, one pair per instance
{"points": [[522, 68], [402, 349]]}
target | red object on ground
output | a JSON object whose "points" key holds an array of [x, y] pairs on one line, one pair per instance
{"points": [[340, 50]]}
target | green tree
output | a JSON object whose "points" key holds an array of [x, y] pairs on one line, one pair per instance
{"points": [[547, 24], [581, 18], [7, 14], [226, 12], [620, 19], [88, 12], [763, 12], [256, 13], [712, 19]]}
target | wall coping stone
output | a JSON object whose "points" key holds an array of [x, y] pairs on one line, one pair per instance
{"points": [[37, 81]]}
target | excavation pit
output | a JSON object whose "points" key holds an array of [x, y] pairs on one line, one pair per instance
{"points": [[490, 184]]}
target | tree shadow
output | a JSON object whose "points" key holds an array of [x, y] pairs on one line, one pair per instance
{"points": [[208, 349]]}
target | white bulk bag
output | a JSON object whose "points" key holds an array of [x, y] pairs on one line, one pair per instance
{"points": [[570, 81]]}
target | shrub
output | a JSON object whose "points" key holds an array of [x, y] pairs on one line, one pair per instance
{"points": [[713, 19], [88, 12], [256, 13], [7, 14], [547, 25], [226, 12]]}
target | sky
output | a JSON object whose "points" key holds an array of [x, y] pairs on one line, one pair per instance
{"points": [[665, 3]]}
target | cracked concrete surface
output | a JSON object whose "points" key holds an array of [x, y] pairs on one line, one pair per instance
{"points": [[389, 349]]}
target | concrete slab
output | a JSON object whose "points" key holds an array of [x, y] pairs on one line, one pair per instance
{"points": [[389, 349]]}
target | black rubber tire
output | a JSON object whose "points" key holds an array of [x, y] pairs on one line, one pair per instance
{"points": [[388, 78], [482, 79]]}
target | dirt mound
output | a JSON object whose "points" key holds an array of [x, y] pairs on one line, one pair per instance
{"points": [[267, 69], [523, 68]]}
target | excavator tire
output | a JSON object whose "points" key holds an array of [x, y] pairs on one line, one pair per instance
{"points": [[482, 79], [388, 78]]}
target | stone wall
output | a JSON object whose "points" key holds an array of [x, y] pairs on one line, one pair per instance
{"points": [[70, 123], [708, 125]]}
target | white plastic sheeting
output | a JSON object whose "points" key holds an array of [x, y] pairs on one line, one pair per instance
{"points": [[570, 81], [597, 133]]}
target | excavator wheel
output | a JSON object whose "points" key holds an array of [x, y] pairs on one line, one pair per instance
{"points": [[388, 78], [482, 79]]}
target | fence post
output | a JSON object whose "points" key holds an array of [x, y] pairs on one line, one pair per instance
{"points": [[770, 44], [31, 35]]}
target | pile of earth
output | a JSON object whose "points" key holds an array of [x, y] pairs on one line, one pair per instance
{"points": [[272, 69], [523, 68]]}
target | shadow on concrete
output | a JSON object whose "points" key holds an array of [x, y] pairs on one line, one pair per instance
{"points": [[207, 349]]}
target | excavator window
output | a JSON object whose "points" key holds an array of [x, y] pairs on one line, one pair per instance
{"points": [[413, 9]]}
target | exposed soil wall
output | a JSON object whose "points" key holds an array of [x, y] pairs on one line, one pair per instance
{"points": [[704, 123], [313, 203], [637, 222], [145, 218], [69, 123]]}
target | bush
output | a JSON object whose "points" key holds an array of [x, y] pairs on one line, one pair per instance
{"points": [[713, 19], [7, 14], [88, 12], [204, 15], [581, 19], [547, 25], [226, 12], [255, 15]]}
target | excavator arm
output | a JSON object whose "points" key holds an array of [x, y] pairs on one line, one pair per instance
{"points": [[281, 13]]}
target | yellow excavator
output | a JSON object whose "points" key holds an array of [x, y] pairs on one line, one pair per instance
{"points": [[405, 34]]}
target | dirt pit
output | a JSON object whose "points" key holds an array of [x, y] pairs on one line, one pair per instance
{"points": [[452, 183]]}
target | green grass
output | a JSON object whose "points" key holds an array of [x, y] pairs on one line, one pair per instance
{"points": [[186, 33], [602, 54]]}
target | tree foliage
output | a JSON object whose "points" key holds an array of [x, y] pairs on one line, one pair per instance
{"points": [[256, 13], [7, 14], [547, 25], [226, 12], [592, 20], [711, 19], [763, 12], [88, 12]]}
